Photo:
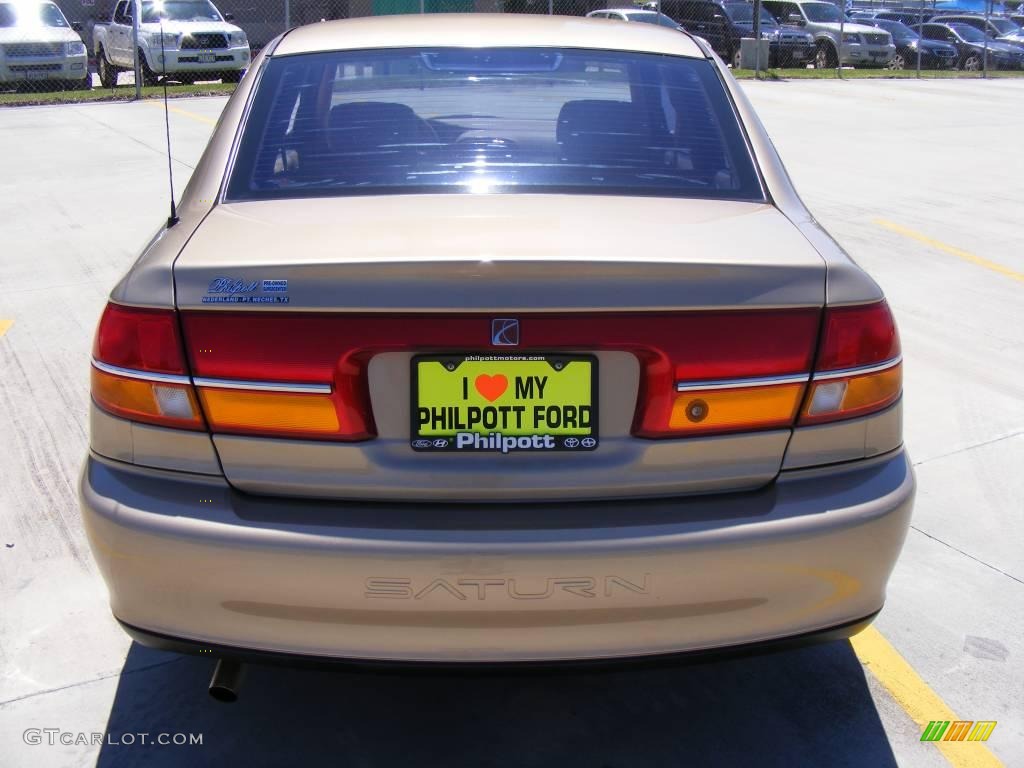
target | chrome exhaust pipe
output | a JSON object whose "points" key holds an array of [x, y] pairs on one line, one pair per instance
{"points": [[226, 680]]}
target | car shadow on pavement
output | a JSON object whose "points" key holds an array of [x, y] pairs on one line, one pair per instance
{"points": [[804, 707]]}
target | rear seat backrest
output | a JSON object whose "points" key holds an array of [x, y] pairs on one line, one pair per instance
{"points": [[604, 132]]}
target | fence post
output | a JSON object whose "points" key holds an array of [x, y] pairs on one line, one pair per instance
{"points": [[757, 40], [984, 52], [287, 15], [920, 39], [839, 47], [551, 7], [135, 48]]}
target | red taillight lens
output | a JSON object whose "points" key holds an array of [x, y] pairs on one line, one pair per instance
{"points": [[139, 370], [670, 346], [859, 367], [853, 337], [139, 339]]}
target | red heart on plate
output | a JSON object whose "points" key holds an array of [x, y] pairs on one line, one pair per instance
{"points": [[491, 387]]}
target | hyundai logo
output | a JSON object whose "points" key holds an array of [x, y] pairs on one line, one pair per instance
{"points": [[505, 332]]}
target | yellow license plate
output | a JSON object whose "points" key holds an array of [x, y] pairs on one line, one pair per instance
{"points": [[504, 403]]}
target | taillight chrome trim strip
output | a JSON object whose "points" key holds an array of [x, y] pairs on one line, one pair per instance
{"points": [[173, 378], [131, 373], [264, 386], [762, 381], [861, 371]]}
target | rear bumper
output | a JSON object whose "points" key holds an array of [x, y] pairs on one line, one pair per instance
{"points": [[251, 656], [189, 559]]}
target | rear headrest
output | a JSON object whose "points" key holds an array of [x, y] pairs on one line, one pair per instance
{"points": [[601, 130], [364, 126]]}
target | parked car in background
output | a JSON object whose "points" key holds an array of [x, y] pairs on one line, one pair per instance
{"points": [[934, 54], [708, 20], [1001, 29], [910, 17], [788, 45], [971, 45], [184, 40], [641, 15], [39, 47], [861, 45]]}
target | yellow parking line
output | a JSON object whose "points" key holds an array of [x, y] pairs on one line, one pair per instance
{"points": [[950, 249], [5, 326], [185, 112], [918, 700]]}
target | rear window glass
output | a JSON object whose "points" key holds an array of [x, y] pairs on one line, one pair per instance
{"points": [[491, 120]]}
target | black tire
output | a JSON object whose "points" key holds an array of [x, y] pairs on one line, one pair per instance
{"points": [[149, 77], [899, 61], [106, 70], [825, 56], [972, 63]]}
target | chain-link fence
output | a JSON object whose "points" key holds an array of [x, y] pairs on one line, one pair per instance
{"points": [[62, 45]]}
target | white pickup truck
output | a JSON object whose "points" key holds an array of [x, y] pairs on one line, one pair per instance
{"points": [[38, 44], [198, 42]]}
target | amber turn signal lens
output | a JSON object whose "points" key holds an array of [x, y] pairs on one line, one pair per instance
{"points": [[842, 398], [164, 404], [278, 412], [726, 410]]}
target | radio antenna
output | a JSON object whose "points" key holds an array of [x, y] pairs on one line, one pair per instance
{"points": [[173, 218]]}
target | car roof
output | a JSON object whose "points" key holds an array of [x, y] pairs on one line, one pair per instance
{"points": [[466, 30]]}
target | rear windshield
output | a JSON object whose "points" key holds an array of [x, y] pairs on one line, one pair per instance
{"points": [[491, 120]]}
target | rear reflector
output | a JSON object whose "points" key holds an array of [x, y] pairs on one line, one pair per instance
{"points": [[859, 369]]}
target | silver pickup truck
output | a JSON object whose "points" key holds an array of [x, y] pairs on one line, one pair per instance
{"points": [[184, 40]]}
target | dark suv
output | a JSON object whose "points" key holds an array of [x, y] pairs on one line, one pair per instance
{"points": [[707, 19], [787, 45]]}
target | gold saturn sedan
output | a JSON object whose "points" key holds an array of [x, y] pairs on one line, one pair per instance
{"points": [[493, 339]]}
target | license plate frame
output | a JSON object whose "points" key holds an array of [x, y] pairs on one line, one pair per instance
{"points": [[495, 439]]}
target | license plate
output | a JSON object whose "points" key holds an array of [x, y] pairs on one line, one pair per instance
{"points": [[207, 58], [504, 403], [797, 54]]}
